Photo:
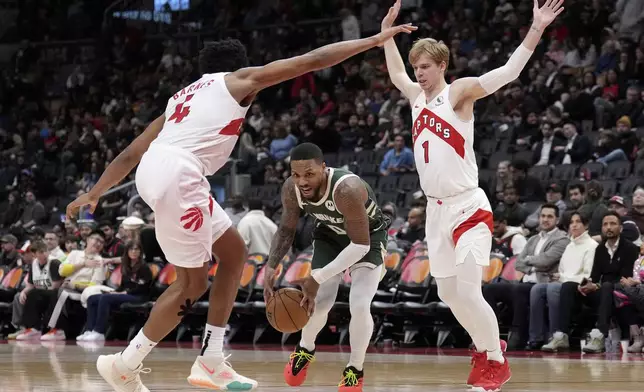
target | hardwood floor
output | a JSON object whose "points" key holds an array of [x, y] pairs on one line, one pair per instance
{"points": [[54, 367]]}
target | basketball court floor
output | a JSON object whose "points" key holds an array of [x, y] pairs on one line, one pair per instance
{"points": [[58, 367]]}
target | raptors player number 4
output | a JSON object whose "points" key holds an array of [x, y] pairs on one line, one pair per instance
{"points": [[459, 217], [192, 140]]}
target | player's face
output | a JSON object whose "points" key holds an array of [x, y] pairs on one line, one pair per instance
{"points": [[428, 73], [308, 175]]}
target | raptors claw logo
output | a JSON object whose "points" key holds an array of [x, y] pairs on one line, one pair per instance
{"points": [[186, 309]]}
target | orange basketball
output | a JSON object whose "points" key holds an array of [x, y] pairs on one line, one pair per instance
{"points": [[284, 312]]}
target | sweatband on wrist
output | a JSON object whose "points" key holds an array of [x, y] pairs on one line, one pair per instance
{"points": [[501, 76], [345, 259]]}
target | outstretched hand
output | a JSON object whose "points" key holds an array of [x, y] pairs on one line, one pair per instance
{"points": [[548, 12], [86, 199], [391, 16], [388, 33]]}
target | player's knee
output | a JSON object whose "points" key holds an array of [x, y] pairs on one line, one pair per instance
{"points": [[360, 307], [447, 292], [194, 283]]}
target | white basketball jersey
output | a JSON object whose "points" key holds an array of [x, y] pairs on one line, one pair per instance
{"points": [[443, 147], [204, 119]]}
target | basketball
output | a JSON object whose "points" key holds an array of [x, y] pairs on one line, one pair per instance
{"points": [[284, 312]]}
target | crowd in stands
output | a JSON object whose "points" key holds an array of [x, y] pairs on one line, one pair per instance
{"points": [[560, 151]]}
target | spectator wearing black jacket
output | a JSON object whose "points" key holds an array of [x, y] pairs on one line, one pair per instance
{"points": [[630, 231], [614, 259], [594, 209], [578, 150], [135, 287]]}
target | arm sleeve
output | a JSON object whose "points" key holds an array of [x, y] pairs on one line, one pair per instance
{"points": [[501, 76], [348, 257]]}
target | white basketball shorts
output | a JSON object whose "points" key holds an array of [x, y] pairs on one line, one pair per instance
{"points": [[187, 219], [457, 226]]}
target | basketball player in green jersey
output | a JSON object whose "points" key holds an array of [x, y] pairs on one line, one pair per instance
{"points": [[350, 233]]}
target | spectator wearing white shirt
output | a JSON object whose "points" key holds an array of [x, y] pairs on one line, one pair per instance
{"points": [[538, 259], [507, 240], [53, 246], [257, 229], [575, 265]]}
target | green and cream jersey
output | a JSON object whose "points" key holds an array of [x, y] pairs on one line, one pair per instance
{"points": [[325, 212]]}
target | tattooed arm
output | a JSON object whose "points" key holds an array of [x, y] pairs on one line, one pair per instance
{"points": [[350, 197], [283, 238]]}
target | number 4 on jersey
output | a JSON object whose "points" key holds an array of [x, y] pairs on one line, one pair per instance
{"points": [[181, 111]]}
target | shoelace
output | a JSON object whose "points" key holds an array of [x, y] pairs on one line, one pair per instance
{"points": [[489, 372], [133, 381], [225, 361], [350, 379], [477, 356], [301, 356]]}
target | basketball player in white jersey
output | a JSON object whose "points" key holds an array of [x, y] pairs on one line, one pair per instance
{"points": [[192, 140], [459, 217]]}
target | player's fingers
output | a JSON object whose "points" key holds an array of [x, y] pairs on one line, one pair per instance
{"points": [[559, 4], [560, 10], [536, 4]]}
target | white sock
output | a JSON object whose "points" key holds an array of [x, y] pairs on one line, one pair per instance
{"points": [[495, 355], [213, 342], [137, 350]]}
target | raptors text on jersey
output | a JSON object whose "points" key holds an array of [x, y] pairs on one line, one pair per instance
{"points": [[204, 119], [443, 147]]}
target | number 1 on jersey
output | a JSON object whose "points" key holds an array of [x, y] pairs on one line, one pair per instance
{"points": [[181, 111], [426, 150]]}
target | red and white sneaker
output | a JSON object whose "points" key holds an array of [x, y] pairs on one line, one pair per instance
{"points": [[54, 335], [493, 376], [29, 334], [479, 362]]}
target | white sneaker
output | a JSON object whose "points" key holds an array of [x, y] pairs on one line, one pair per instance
{"points": [[83, 336], [94, 337], [54, 335], [122, 379], [29, 334], [216, 374]]}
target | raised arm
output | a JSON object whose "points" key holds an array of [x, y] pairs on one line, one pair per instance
{"points": [[120, 167], [471, 89], [247, 82], [350, 197], [395, 64]]}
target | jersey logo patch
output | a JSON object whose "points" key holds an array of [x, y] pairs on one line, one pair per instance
{"points": [[192, 219], [434, 124], [329, 205]]}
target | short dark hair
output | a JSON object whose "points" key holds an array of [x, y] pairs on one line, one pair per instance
{"points": [[98, 233], [582, 218], [499, 216], [581, 187], [306, 151], [520, 164], [105, 223], [255, 204], [613, 213], [38, 246], [226, 55], [552, 206]]}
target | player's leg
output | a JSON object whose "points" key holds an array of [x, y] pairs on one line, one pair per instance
{"points": [[472, 253], [180, 200], [295, 371], [364, 284], [211, 370]]}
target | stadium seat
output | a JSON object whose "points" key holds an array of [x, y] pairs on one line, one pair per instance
{"points": [[114, 281], [509, 273], [564, 172], [596, 169], [408, 182], [610, 188], [629, 184], [388, 184], [638, 168], [617, 170], [541, 173], [492, 271], [372, 181]]}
